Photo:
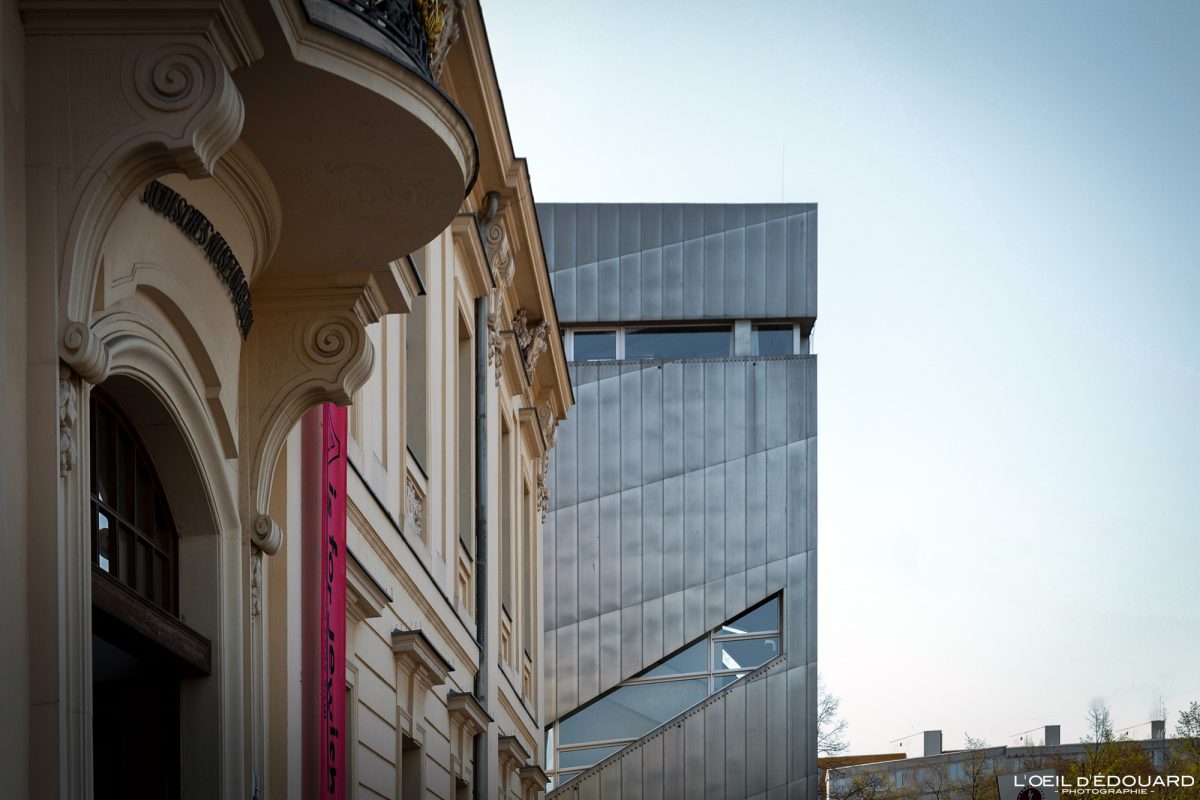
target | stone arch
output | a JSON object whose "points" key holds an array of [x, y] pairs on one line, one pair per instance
{"points": [[153, 389]]}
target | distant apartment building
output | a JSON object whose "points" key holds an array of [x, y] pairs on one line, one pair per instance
{"points": [[973, 773], [680, 558]]}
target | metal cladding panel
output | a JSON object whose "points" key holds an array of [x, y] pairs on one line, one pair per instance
{"points": [[589, 659], [632, 437], [652, 425], [736, 744], [549, 573], [566, 675], [653, 764], [651, 290], [608, 289], [683, 493], [610, 553], [631, 547], [714, 749], [630, 277], [588, 572], [587, 298], [639, 263], [631, 775], [721, 748], [631, 638], [693, 756], [665, 550], [652, 542]]}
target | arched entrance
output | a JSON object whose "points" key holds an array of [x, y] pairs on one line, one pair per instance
{"points": [[144, 655]]}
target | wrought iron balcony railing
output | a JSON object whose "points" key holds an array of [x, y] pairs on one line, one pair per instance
{"points": [[405, 23]]}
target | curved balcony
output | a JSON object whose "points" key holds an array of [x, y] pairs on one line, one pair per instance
{"points": [[370, 158], [400, 24]]}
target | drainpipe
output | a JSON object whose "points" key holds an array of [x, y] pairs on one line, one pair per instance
{"points": [[479, 746]]}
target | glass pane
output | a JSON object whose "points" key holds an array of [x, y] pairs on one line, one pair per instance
{"points": [[693, 659], [104, 541], [162, 525], [156, 582], [562, 778], [773, 340], [125, 545], [631, 711], [125, 470], [744, 653], [143, 514], [721, 681], [104, 476], [662, 343], [595, 345], [570, 759], [140, 572], [764, 619]]}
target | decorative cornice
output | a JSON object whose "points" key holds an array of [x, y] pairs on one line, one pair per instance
{"points": [[365, 598], [266, 535], [85, 352], [309, 345], [499, 254], [416, 654], [512, 754], [464, 708], [533, 777]]}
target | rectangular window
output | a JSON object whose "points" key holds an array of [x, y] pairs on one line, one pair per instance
{"points": [[672, 343], [774, 340], [527, 562], [594, 345], [465, 428], [416, 376], [957, 773], [506, 523]]}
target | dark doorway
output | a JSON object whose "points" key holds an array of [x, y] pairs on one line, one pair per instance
{"points": [[135, 722]]}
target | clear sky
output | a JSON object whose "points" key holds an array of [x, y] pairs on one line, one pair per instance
{"points": [[1009, 329]]}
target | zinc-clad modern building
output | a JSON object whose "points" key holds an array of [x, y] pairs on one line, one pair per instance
{"points": [[680, 551]]}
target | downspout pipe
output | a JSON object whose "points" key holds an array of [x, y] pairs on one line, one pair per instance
{"points": [[479, 745]]}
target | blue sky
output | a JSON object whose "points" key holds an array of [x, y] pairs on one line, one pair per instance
{"points": [[1009, 326]]}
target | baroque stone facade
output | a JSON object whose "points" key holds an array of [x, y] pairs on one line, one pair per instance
{"points": [[207, 233]]}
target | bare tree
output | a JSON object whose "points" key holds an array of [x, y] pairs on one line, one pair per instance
{"points": [[831, 728], [1099, 722]]}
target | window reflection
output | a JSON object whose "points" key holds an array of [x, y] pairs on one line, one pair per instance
{"points": [[632, 710], [667, 689], [693, 659], [764, 619], [134, 538], [594, 346], [773, 340], [744, 653], [670, 343], [582, 759]]}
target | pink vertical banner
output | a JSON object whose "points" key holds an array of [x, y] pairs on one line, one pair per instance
{"points": [[333, 603]]}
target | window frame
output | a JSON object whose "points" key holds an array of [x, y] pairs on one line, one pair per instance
{"points": [[713, 638], [121, 422]]}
